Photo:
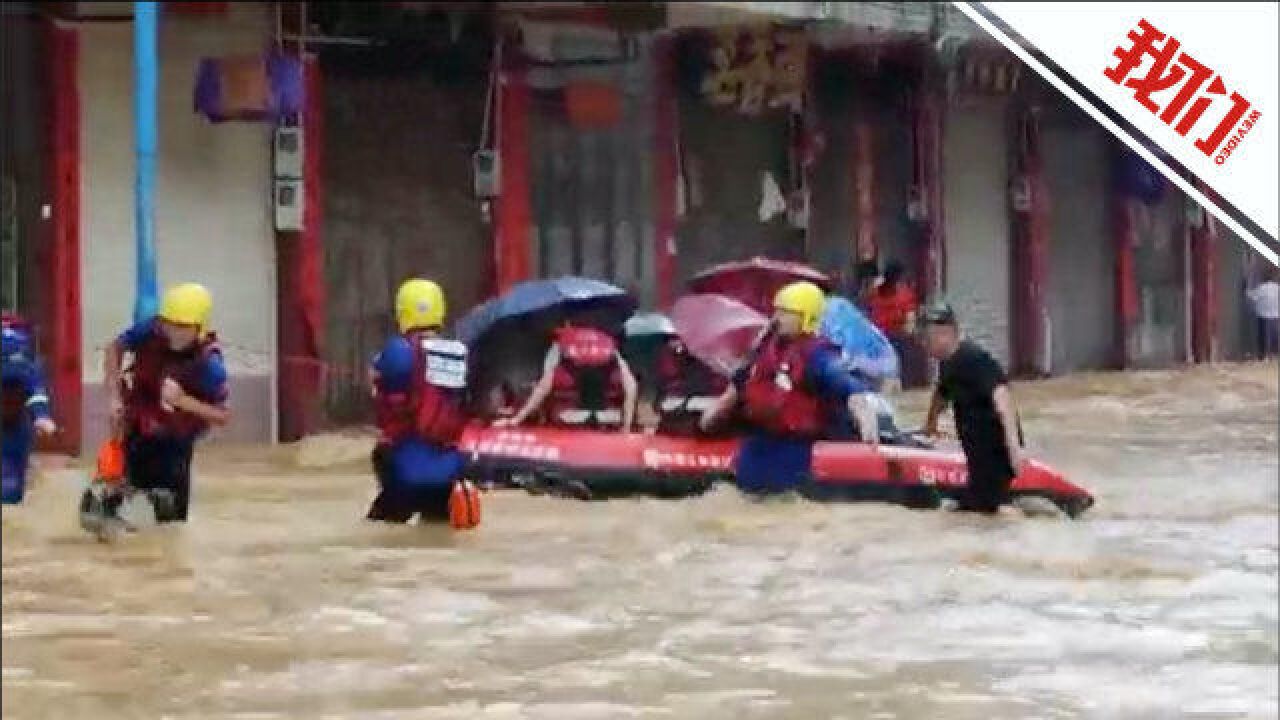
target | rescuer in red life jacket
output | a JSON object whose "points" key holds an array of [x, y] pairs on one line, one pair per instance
{"points": [[791, 392], [420, 384], [686, 388], [586, 380], [173, 390]]}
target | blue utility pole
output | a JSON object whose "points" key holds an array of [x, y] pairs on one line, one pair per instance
{"points": [[145, 62]]}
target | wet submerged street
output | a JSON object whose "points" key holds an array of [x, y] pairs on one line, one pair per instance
{"points": [[277, 601]]}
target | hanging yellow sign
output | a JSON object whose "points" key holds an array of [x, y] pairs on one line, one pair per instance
{"points": [[758, 67]]}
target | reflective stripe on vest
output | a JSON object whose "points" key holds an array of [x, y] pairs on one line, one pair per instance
{"points": [[582, 417], [696, 403], [444, 363]]}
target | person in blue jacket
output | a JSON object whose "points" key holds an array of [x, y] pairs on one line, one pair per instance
{"points": [[419, 381], [793, 392], [26, 407], [172, 391]]}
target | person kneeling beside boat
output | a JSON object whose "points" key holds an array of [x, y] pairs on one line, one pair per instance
{"points": [[791, 393], [419, 384], [585, 383]]}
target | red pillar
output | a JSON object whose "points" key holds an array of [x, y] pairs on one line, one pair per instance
{"points": [[1031, 249], [1204, 303], [514, 214], [300, 265], [62, 262], [1124, 209], [665, 171], [864, 180], [927, 185]]}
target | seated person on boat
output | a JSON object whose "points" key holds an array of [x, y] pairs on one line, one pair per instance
{"points": [[585, 383], [686, 388]]}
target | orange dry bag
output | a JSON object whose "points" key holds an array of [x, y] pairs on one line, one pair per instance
{"points": [[464, 505], [111, 462]]}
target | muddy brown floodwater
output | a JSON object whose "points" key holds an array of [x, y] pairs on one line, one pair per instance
{"points": [[277, 601]]}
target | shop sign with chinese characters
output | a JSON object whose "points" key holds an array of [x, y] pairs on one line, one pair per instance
{"points": [[754, 68]]}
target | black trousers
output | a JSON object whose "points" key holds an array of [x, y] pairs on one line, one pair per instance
{"points": [[161, 463], [397, 505], [990, 476], [913, 367], [1268, 337]]}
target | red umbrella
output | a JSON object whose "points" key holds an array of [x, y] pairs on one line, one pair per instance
{"points": [[718, 330], [755, 281]]}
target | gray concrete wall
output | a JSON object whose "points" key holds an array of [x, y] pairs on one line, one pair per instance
{"points": [[896, 236], [879, 101], [213, 216], [398, 202], [833, 215], [1235, 317], [1160, 339], [1081, 291], [23, 156], [724, 154], [976, 216], [592, 188]]}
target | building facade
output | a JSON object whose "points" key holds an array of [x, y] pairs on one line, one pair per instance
{"points": [[629, 146]]}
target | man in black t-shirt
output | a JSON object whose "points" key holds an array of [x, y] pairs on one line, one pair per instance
{"points": [[975, 386]]}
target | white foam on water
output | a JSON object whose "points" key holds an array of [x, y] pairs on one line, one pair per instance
{"points": [[541, 625], [1108, 690]]}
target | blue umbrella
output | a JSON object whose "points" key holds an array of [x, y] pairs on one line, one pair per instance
{"points": [[561, 297], [863, 346]]}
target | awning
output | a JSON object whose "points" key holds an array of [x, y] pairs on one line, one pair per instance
{"points": [[834, 23], [883, 16]]}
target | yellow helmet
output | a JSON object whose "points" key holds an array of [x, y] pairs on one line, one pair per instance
{"points": [[804, 299], [419, 304], [187, 304]]}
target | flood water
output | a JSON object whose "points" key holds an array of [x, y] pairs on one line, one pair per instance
{"points": [[277, 601]]}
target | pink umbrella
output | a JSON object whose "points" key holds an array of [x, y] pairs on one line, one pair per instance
{"points": [[755, 281], [718, 330]]}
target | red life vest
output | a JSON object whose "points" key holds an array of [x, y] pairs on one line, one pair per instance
{"points": [[776, 397], [432, 407], [154, 362], [888, 309], [587, 376]]}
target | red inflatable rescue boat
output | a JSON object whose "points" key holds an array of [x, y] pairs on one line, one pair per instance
{"points": [[599, 465]]}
